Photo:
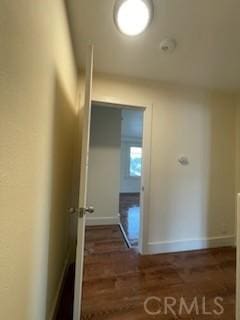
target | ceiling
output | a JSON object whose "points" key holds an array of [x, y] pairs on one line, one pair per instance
{"points": [[132, 124], [207, 33]]}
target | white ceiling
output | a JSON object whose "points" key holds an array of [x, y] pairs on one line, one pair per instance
{"points": [[132, 124], [207, 32]]}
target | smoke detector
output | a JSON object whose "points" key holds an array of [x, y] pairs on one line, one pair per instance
{"points": [[168, 45]]}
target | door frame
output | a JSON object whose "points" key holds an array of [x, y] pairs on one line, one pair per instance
{"points": [[146, 165]]}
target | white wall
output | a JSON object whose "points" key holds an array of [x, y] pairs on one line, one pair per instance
{"points": [[37, 116], [190, 206], [104, 165], [128, 184]]}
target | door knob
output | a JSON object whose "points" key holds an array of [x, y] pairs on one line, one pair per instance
{"points": [[89, 210], [82, 211]]}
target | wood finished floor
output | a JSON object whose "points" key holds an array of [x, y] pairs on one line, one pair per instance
{"points": [[117, 279], [129, 209]]}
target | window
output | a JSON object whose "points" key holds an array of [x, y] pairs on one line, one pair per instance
{"points": [[135, 166]]}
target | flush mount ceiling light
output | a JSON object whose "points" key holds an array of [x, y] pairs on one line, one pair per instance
{"points": [[132, 17]]}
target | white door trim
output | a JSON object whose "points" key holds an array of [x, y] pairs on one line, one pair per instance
{"points": [[146, 165]]}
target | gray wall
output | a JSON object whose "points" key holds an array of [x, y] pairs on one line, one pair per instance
{"points": [[104, 165]]}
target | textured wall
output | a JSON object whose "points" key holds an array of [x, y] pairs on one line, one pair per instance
{"points": [[37, 112]]}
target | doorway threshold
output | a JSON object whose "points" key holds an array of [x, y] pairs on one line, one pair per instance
{"points": [[125, 236]]}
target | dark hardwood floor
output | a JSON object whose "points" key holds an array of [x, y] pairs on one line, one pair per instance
{"points": [[117, 280], [129, 209]]}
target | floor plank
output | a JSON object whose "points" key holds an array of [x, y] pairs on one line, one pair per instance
{"points": [[117, 280]]}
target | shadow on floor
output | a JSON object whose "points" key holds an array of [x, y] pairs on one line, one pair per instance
{"points": [[65, 311]]}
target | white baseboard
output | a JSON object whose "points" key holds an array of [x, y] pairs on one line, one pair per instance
{"points": [[190, 244], [53, 311], [101, 221]]}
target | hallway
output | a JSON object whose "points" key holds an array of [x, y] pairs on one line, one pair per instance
{"points": [[93, 110]]}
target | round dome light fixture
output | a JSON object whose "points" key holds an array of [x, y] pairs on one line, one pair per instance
{"points": [[132, 17]]}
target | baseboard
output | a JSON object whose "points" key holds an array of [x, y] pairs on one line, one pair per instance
{"points": [[53, 312], [190, 244], [101, 221]]}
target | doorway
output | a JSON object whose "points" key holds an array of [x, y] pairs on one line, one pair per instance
{"points": [[116, 169], [130, 174]]}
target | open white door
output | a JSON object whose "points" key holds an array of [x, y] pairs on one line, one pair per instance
{"points": [[83, 209]]}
